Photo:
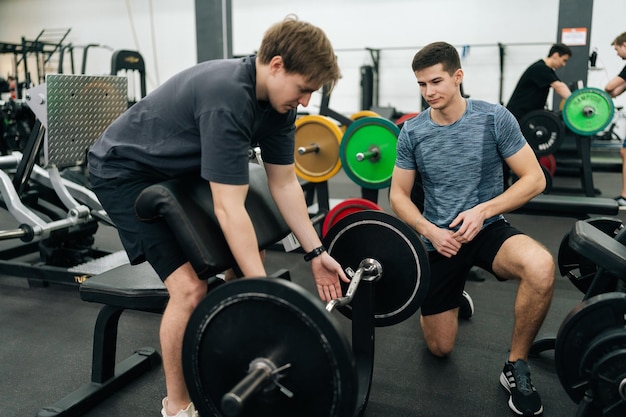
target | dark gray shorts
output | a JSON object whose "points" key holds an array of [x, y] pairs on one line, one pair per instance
{"points": [[152, 242], [448, 275]]}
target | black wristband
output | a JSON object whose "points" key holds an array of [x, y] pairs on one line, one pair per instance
{"points": [[315, 252]]}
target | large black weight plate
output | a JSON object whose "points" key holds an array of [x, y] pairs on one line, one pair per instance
{"points": [[608, 381], [573, 265], [400, 291], [275, 319], [583, 325], [543, 130]]}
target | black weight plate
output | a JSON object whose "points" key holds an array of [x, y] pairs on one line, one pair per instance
{"points": [[406, 273], [578, 269], [608, 383], [614, 338], [543, 130], [582, 325], [247, 319]]}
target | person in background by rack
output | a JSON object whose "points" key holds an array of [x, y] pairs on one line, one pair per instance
{"points": [[533, 87], [615, 87]]}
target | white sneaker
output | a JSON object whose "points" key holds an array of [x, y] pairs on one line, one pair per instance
{"points": [[190, 411], [466, 309]]}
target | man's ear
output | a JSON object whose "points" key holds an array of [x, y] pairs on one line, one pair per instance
{"points": [[276, 64], [458, 76]]}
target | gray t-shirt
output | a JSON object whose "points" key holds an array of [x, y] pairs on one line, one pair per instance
{"points": [[460, 163], [202, 120]]}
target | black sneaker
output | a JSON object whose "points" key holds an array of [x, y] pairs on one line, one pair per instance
{"points": [[466, 308], [524, 399]]}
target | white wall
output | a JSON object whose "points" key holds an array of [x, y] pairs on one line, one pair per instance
{"points": [[164, 32]]}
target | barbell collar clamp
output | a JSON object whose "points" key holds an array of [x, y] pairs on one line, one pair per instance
{"points": [[589, 111], [369, 270], [622, 389], [312, 148], [372, 154]]}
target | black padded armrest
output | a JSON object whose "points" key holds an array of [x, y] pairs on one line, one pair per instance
{"points": [[187, 207], [598, 247], [136, 286], [569, 206]]}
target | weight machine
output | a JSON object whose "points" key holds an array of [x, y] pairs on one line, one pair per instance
{"points": [[57, 218]]}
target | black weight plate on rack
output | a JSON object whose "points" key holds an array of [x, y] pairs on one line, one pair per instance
{"points": [[406, 272], [579, 329]]}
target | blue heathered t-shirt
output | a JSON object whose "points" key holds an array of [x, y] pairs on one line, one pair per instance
{"points": [[460, 163], [200, 121]]}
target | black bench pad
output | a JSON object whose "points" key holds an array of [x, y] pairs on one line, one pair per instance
{"points": [[598, 247], [187, 207], [137, 287]]}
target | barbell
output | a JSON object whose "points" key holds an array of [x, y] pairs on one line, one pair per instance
{"points": [[267, 347], [366, 150], [586, 112]]}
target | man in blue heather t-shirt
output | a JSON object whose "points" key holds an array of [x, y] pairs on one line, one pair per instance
{"points": [[202, 122], [458, 147]]}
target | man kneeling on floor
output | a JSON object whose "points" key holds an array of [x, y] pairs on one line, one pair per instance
{"points": [[458, 146]]}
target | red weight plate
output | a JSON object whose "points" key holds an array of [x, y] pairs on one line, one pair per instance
{"points": [[549, 162], [344, 208]]}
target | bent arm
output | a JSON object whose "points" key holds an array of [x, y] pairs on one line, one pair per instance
{"points": [[442, 239], [616, 86], [402, 181], [561, 89], [531, 182]]}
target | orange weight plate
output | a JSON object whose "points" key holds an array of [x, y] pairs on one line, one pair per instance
{"points": [[317, 148]]}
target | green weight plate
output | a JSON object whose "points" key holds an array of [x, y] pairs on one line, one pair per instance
{"points": [[374, 139], [400, 291], [273, 319], [584, 324], [588, 111]]}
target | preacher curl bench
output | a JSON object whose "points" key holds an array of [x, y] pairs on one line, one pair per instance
{"points": [[186, 205]]}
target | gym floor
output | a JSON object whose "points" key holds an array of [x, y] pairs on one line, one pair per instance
{"points": [[47, 333]]}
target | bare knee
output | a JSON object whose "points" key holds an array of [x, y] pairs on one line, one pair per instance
{"points": [[185, 288], [540, 272], [440, 348], [440, 332]]}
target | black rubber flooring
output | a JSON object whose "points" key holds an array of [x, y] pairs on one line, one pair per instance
{"points": [[46, 335]]}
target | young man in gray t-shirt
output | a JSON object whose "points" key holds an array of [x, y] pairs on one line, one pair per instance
{"points": [[458, 146]]}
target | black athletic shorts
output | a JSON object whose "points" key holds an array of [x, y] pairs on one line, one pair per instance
{"points": [[152, 242], [448, 275]]}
